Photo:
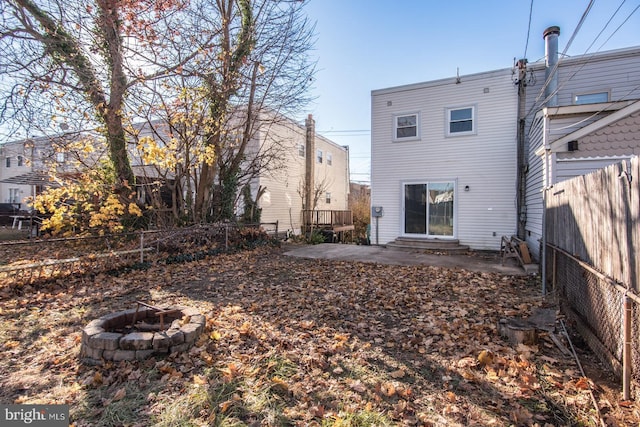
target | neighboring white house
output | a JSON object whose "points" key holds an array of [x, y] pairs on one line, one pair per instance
{"points": [[283, 184], [586, 117], [277, 150], [443, 160], [26, 164]]}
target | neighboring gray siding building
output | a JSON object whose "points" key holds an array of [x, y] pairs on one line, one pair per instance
{"points": [[443, 160], [591, 121]]}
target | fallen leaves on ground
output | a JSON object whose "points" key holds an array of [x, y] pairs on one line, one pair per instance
{"points": [[301, 342]]}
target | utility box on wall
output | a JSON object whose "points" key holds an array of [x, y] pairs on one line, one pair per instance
{"points": [[376, 211]]}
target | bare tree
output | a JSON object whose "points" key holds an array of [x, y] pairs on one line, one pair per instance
{"points": [[72, 63]]}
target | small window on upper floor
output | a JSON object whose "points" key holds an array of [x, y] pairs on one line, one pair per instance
{"points": [[20, 161], [8, 162], [591, 98], [327, 198], [461, 121], [406, 127], [329, 159], [302, 150], [319, 156]]}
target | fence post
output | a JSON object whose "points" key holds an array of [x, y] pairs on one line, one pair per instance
{"points": [[555, 269], [626, 350], [141, 247]]}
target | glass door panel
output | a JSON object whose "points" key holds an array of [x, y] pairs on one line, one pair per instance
{"points": [[415, 209], [440, 213]]}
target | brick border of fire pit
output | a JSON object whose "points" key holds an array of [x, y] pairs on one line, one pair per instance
{"points": [[99, 344]]}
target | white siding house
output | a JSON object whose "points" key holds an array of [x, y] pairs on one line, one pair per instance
{"points": [[283, 184], [443, 160], [592, 122]]}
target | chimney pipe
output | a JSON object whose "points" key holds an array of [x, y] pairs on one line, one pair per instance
{"points": [[551, 60]]}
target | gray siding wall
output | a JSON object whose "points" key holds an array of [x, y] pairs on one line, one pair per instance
{"points": [[486, 161], [616, 72]]}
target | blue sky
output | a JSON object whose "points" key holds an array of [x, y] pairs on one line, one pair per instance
{"points": [[363, 45]]}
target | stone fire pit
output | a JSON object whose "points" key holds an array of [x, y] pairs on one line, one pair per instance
{"points": [[137, 334]]}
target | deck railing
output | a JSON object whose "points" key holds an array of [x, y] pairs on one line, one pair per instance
{"points": [[326, 218]]}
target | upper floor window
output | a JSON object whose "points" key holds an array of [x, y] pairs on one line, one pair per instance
{"points": [[8, 162], [460, 121], [302, 151], [406, 127], [327, 198], [319, 156], [591, 98], [20, 161], [329, 159]]}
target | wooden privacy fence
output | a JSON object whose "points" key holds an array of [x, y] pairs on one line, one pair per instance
{"points": [[590, 260]]}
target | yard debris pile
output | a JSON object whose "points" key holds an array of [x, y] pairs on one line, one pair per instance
{"points": [[305, 342]]}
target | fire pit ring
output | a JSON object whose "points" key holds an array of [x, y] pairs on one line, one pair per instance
{"points": [[122, 335]]}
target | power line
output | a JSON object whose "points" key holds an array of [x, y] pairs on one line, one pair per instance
{"points": [[526, 46]]}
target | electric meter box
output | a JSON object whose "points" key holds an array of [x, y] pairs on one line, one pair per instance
{"points": [[376, 211]]}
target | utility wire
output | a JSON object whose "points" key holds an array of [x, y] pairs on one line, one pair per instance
{"points": [[587, 60], [555, 68], [526, 46]]}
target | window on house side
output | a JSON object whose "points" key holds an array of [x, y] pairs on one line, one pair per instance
{"points": [[406, 127], [591, 98], [319, 156], [460, 121], [328, 198], [8, 162], [301, 150], [20, 161], [329, 159]]}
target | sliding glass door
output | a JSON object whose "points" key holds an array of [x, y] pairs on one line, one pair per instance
{"points": [[428, 209]]}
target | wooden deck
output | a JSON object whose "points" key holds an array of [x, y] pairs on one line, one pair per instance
{"points": [[339, 222]]}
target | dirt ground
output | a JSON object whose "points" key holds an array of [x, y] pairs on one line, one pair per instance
{"points": [[303, 342]]}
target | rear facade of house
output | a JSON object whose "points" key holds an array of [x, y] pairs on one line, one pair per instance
{"points": [[443, 160]]}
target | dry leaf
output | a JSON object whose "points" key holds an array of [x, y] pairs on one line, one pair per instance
{"points": [[121, 393]]}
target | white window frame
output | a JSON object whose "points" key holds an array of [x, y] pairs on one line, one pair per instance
{"points": [[302, 150], [448, 121], [415, 137], [327, 198], [329, 159], [591, 95], [318, 156]]}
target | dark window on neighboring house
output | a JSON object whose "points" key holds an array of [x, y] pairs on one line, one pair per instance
{"points": [[20, 161], [327, 198], [8, 162], [319, 156], [329, 159]]}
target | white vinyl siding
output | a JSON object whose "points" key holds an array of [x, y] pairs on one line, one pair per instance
{"points": [[488, 166]]}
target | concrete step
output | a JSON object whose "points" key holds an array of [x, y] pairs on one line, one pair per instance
{"points": [[452, 246]]}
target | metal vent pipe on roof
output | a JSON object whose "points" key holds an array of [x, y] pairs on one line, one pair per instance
{"points": [[551, 60]]}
